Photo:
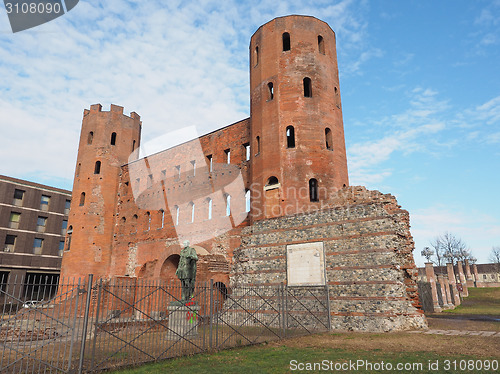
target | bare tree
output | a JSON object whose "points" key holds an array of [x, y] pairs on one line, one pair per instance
{"points": [[450, 248], [495, 257], [427, 253]]}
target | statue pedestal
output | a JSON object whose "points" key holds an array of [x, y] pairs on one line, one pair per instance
{"points": [[183, 321]]}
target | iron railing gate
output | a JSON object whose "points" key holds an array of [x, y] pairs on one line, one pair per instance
{"points": [[92, 327]]}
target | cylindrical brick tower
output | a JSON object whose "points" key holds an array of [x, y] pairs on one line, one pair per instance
{"points": [[107, 140], [299, 156]]}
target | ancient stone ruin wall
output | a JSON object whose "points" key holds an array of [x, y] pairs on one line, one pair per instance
{"points": [[369, 264]]}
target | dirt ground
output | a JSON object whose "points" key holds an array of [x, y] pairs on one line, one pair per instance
{"points": [[475, 346]]}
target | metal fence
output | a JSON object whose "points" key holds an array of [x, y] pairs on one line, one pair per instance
{"points": [[87, 326]]}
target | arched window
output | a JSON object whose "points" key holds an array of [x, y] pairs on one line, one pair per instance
{"points": [[286, 41], [78, 169], [307, 87], [210, 205], [256, 56], [271, 91], [133, 146], [321, 45], [272, 183], [97, 168], [177, 211], [82, 199], [227, 197], [162, 212], [290, 137], [148, 215], [257, 145], [247, 201], [69, 233], [90, 138], [328, 139], [191, 205], [113, 138], [313, 190], [123, 220]]}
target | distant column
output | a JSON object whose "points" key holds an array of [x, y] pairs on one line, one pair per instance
{"points": [[476, 276], [429, 272], [446, 304], [463, 281], [453, 284], [449, 299], [468, 274]]}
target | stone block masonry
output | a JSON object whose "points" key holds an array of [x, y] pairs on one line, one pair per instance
{"points": [[369, 266]]}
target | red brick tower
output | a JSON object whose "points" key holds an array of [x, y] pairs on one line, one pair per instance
{"points": [[107, 140], [296, 117]]}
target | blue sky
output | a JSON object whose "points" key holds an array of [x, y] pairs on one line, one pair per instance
{"points": [[419, 80]]}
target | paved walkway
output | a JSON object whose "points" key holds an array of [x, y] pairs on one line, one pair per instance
{"points": [[457, 332]]}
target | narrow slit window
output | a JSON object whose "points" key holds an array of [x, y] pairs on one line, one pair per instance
{"points": [[307, 87], [247, 151], [162, 212], [247, 201], [193, 164], [133, 146], [97, 168], [227, 153], [256, 56], [286, 41], [177, 212], [257, 139], [321, 45], [148, 215], [178, 172], [191, 204], [228, 204], [328, 139], [68, 238], [290, 137], [210, 163], [78, 169], [82, 199], [90, 138], [313, 190], [113, 138], [210, 207], [271, 91]]}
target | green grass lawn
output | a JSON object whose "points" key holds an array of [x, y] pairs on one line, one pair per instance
{"points": [[265, 359], [484, 301]]}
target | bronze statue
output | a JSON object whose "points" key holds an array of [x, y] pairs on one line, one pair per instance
{"points": [[186, 271]]}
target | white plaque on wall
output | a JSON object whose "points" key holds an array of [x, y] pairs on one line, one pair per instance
{"points": [[305, 264]]}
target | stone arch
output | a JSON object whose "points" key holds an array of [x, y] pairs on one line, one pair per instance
{"points": [[168, 268], [174, 250]]}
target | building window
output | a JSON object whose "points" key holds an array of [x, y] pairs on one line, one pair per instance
{"points": [[247, 151], [37, 246], [257, 147], [10, 243], [193, 165], [307, 87], [328, 139], [210, 163], [227, 153], [64, 227], [41, 222], [256, 56], [113, 138], [272, 183], [191, 206], [290, 137], [67, 206], [177, 172], [90, 137], [336, 91], [68, 238], [247, 201], [44, 202], [227, 197], [313, 190], [78, 169], [162, 212], [286, 41], [61, 248], [148, 215], [133, 146], [210, 207], [149, 182], [177, 213], [18, 197], [321, 45], [82, 199], [14, 220], [97, 168], [270, 94]]}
